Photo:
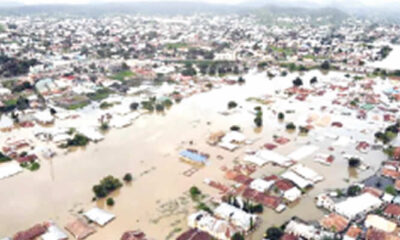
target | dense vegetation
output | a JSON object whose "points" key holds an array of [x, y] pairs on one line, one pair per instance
{"points": [[10, 67]]}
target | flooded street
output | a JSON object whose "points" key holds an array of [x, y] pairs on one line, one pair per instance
{"points": [[149, 150]]}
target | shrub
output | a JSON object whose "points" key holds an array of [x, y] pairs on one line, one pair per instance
{"points": [[391, 190], [134, 106], [105, 105], [110, 202], [159, 107], [258, 121], [274, 233], [4, 158], [298, 82], [204, 207], [281, 116], [127, 177], [353, 191], [194, 192], [290, 126], [232, 104], [104, 126], [237, 236], [235, 128], [79, 140], [354, 162]]}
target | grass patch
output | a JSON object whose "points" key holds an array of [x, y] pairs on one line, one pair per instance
{"points": [[100, 94], [4, 158], [121, 76], [32, 166], [77, 105], [176, 45]]}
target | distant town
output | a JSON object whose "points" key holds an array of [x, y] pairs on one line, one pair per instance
{"points": [[199, 126]]}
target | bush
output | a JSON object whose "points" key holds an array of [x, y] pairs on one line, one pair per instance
{"points": [[281, 116], [235, 128], [79, 140], [353, 191], [4, 158], [391, 190], [313, 80], [104, 126], [110, 202], [194, 192], [105, 105], [106, 186], [325, 65], [298, 82], [258, 109], [354, 162], [232, 104], [32, 166], [134, 106], [290, 126], [258, 121], [159, 107], [167, 103], [237, 236], [128, 177], [204, 207], [303, 130], [274, 233], [257, 208]]}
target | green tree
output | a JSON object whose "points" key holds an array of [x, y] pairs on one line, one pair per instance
{"points": [[274, 233], [110, 202], [134, 106], [353, 191], [391, 190], [290, 126], [281, 116], [194, 192], [325, 65], [232, 104], [237, 236], [127, 177]]}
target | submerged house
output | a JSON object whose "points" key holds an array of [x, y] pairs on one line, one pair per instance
{"points": [[193, 157]]}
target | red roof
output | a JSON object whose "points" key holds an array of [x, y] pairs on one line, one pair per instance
{"points": [[374, 191], [284, 184], [390, 173], [334, 221], [289, 237], [353, 232], [133, 235], [270, 146], [194, 234], [243, 179], [271, 178], [392, 210], [373, 234], [397, 184], [31, 233]]}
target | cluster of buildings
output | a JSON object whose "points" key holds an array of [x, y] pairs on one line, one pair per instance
{"points": [[76, 78]]}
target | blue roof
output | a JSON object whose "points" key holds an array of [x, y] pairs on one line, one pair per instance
{"points": [[193, 156]]}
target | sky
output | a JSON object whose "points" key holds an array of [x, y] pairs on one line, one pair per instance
{"points": [[323, 2]]}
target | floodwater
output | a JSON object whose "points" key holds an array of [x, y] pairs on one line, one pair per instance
{"points": [[156, 201], [391, 62]]}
